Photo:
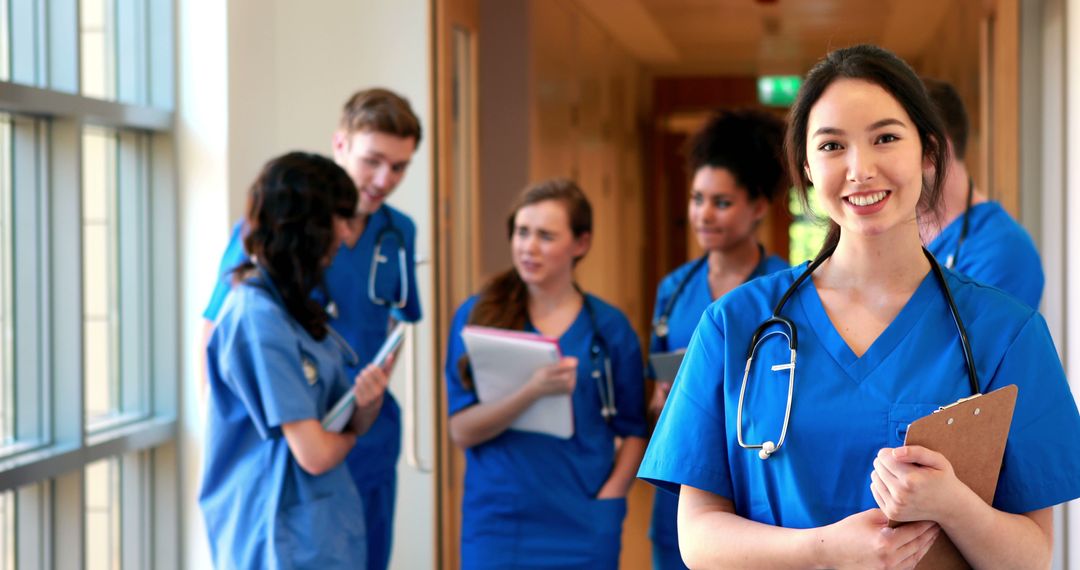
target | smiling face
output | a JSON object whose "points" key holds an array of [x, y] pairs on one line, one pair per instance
{"points": [[542, 246], [721, 212], [864, 156], [375, 161]]}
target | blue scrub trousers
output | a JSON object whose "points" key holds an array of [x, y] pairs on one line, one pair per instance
{"points": [[379, 516]]}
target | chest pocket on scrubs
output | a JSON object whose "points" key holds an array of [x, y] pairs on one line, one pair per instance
{"points": [[900, 418]]}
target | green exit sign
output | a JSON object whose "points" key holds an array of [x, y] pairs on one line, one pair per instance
{"points": [[778, 90]]}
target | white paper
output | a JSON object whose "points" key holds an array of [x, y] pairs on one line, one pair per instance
{"points": [[502, 361]]}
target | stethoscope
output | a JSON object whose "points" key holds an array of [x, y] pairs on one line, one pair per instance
{"points": [[601, 363], [309, 368], [377, 258], [788, 331], [950, 261], [660, 324]]}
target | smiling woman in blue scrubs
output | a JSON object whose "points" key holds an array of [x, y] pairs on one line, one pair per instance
{"points": [[877, 349], [275, 491], [737, 169], [534, 500]]}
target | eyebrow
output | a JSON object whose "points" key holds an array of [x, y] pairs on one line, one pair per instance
{"points": [[378, 155], [877, 125]]}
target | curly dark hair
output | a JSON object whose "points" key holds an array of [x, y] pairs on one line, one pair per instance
{"points": [[290, 210], [749, 144]]}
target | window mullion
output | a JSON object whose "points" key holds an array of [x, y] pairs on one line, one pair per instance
{"points": [[28, 159], [63, 42], [68, 520], [66, 292]]}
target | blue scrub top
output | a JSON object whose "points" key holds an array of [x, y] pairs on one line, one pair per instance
{"points": [[685, 315], [363, 324], [846, 408], [261, 509], [530, 498], [997, 251]]}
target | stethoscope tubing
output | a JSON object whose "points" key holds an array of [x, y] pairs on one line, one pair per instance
{"points": [[767, 448]]}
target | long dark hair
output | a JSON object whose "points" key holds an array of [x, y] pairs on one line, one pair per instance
{"points": [[290, 209], [503, 302], [886, 70]]}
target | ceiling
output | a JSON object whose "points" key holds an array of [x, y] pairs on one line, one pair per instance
{"points": [[735, 37]]}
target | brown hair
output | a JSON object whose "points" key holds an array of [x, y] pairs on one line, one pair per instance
{"points": [[884, 69], [503, 302], [290, 209], [382, 111], [950, 108]]}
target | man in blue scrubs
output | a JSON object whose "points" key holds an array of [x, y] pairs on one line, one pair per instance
{"points": [[374, 142], [993, 249]]}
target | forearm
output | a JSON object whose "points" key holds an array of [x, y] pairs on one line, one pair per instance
{"points": [[627, 460], [989, 538], [315, 449], [482, 422], [711, 538], [362, 420]]}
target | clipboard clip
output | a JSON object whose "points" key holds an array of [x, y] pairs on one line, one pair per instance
{"points": [[957, 403]]}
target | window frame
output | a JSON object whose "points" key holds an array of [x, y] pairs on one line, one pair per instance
{"points": [[44, 468]]}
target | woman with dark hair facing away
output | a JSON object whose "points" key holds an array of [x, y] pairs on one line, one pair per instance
{"points": [[275, 491], [785, 460], [534, 500], [737, 170]]}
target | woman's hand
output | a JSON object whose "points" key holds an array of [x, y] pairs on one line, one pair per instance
{"points": [[558, 378], [369, 389], [912, 483], [864, 540]]}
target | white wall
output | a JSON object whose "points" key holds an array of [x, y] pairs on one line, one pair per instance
{"points": [[259, 78]]}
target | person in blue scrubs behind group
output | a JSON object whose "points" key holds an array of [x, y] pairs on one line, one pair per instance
{"points": [[737, 169], [993, 248], [275, 492], [375, 141], [877, 349], [534, 500]]}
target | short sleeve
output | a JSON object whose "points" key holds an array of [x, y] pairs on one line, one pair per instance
{"points": [[1042, 456], [458, 396], [234, 255], [627, 369], [262, 365], [689, 445], [1017, 272], [411, 312]]}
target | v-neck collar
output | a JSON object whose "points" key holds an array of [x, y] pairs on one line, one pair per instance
{"points": [[367, 235], [574, 324], [859, 368]]}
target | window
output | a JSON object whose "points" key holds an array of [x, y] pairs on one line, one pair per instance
{"points": [[88, 330], [807, 230], [100, 291], [97, 39], [103, 514]]}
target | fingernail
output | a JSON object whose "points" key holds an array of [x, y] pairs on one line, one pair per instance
{"points": [[900, 452]]}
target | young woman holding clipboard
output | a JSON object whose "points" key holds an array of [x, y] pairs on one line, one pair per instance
{"points": [[797, 457], [534, 500]]}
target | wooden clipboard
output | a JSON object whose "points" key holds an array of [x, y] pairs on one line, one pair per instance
{"points": [[971, 434]]}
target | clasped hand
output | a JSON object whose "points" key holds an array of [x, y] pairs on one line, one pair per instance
{"points": [[913, 483]]}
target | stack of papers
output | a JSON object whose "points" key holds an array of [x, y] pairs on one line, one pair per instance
{"points": [[502, 362]]}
